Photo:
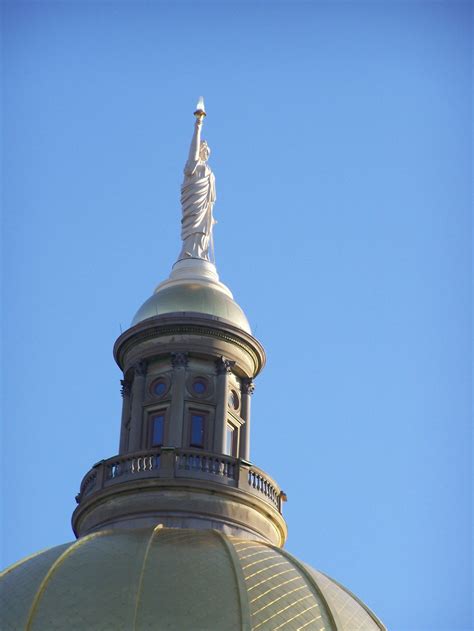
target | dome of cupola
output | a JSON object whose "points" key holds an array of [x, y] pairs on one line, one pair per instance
{"points": [[193, 287]]}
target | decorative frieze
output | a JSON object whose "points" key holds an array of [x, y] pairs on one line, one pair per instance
{"points": [[243, 341]]}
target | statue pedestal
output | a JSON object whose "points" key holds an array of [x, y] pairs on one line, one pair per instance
{"points": [[197, 271]]}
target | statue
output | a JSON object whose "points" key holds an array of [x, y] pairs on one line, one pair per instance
{"points": [[198, 194]]}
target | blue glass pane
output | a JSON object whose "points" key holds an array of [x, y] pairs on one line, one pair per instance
{"points": [[197, 430], [158, 430], [159, 388], [199, 387]]}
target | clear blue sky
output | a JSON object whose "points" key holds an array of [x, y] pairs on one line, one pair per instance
{"points": [[341, 137]]}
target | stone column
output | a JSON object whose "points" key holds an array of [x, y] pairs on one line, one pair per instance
{"points": [[247, 388], [125, 391], [223, 369], [136, 422], [174, 436]]}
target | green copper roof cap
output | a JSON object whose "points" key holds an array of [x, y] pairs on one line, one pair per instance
{"points": [[194, 287]]}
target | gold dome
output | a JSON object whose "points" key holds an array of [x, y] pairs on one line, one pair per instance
{"points": [[193, 297], [175, 580]]}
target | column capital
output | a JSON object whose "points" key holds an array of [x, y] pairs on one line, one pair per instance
{"points": [[179, 360], [224, 365], [247, 385], [140, 368], [126, 387]]}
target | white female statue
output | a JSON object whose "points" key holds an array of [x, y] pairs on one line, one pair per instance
{"points": [[198, 194]]}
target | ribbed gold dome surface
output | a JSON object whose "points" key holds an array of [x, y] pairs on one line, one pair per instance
{"points": [[174, 580]]}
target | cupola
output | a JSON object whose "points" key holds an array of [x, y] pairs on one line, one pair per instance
{"points": [[181, 530]]}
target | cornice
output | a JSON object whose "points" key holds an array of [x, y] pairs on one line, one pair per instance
{"points": [[169, 325]]}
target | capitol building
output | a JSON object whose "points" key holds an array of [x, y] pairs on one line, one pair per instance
{"points": [[181, 530]]}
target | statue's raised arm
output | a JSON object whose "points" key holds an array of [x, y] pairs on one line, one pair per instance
{"points": [[193, 157], [198, 194]]}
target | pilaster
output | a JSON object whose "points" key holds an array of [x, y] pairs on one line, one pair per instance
{"points": [[247, 388], [179, 362], [138, 392], [223, 369], [124, 438]]}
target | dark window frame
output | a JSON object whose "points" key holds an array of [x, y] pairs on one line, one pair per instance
{"points": [[205, 424], [151, 426]]}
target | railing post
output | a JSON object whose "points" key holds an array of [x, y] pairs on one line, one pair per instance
{"points": [[243, 476], [100, 477], [167, 462]]}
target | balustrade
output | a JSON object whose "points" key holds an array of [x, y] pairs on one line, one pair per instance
{"points": [[88, 483], [181, 463], [132, 465], [207, 463], [258, 481]]}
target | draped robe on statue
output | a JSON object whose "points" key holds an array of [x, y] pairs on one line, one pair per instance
{"points": [[198, 194]]}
